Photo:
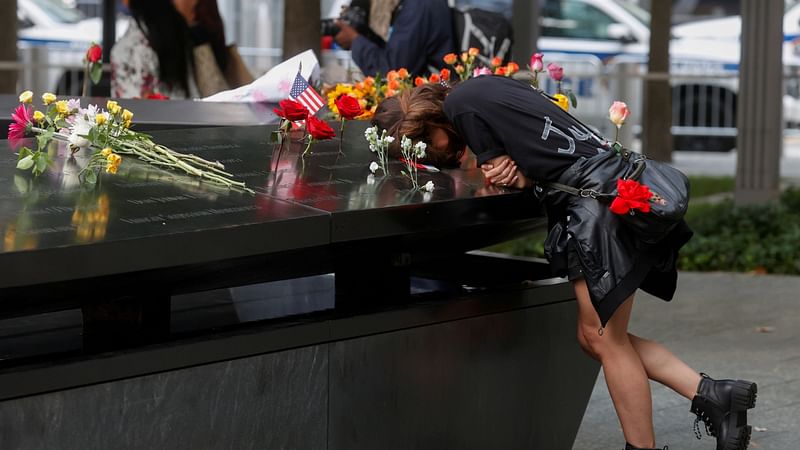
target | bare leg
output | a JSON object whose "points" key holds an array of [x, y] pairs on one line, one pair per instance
{"points": [[664, 367], [625, 374]]}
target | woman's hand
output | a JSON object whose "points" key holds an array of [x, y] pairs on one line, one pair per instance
{"points": [[503, 171]]}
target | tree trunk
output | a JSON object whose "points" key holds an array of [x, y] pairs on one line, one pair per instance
{"points": [[759, 106], [301, 27], [525, 23], [8, 46], [657, 114]]}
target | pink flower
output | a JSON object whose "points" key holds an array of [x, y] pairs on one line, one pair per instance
{"points": [[481, 71], [22, 120], [537, 64], [617, 113], [556, 72], [631, 195]]}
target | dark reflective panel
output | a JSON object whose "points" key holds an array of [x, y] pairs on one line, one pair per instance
{"points": [[143, 203]]}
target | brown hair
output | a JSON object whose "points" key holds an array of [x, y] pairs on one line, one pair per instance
{"points": [[414, 113]]}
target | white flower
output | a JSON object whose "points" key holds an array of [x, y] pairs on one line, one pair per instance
{"points": [[388, 139], [73, 105], [79, 129], [428, 187], [370, 179], [405, 143], [426, 196], [373, 166], [419, 149]]}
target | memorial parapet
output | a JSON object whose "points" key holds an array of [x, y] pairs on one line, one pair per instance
{"points": [[145, 223]]}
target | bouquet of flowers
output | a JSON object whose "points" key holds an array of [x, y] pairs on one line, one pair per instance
{"points": [[107, 134], [369, 93]]}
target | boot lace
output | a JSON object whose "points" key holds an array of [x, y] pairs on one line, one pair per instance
{"points": [[701, 415]]}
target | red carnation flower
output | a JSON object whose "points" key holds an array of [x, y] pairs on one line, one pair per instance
{"points": [[349, 107], [22, 120], [319, 129], [94, 54], [291, 110], [631, 195]]}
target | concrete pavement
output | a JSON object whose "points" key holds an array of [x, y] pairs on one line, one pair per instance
{"points": [[729, 326]]}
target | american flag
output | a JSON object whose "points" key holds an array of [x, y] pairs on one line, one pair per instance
{"points": [[305, 94]]}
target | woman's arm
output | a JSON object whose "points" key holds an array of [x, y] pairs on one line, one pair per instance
{"points": [[503, 171]]}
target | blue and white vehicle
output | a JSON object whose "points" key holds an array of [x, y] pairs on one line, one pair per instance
{"points": [[612, 37]]}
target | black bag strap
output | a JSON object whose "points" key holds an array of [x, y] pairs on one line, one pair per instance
{"points": [[639, 166]]}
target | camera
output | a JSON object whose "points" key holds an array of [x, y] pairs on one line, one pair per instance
{"points": [[355, 16]]}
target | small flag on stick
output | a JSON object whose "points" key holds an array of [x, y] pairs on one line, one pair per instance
{"points": [[302, 92]]}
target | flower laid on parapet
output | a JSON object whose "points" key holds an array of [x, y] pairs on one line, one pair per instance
{"points": [[318, 130], [93, 67], [617, 114], [107, 134], [536, 67], [411, 154], [349, 108], [380, 146], [291, 113]]}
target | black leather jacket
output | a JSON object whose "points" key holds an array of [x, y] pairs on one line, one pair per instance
{"points": [[613, 261]]}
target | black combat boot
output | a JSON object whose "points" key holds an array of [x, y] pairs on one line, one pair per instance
{"points": [[722, 406], [630, 447]]}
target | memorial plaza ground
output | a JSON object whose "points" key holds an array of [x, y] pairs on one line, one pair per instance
{"points": [[727, 325]]}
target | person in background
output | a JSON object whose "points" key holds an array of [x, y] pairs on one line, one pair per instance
{"points": [[419, 36], [174, 49], [154, 57]]}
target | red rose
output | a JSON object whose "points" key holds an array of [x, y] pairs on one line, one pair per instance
{"points": [[349, 108], [156, 97], [292, 110], [319, 129], [94, 54], [631, 195]]}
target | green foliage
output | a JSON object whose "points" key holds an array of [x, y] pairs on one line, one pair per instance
{"points": [[703, 186], [760, 238]]}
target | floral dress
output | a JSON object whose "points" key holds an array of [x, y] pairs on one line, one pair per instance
{"points": [[135, 69]]}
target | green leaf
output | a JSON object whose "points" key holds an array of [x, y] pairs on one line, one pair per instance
{"points": [[23, 152], [90, 176], [573, 99], [97, 72], [43, 139], [42, 161], [92, 136], [62, 124], [25, 163]]}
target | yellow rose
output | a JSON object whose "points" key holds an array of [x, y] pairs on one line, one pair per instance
{"points": [[106, 151], [26, 97], [100, 118], [126, 124], [38, 116], [48, 98], [562, 101], [111, 169], [113, 107], [62, 108], [127, 115], [114, 159]]}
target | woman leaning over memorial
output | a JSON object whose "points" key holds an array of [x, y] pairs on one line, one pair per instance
{"points": [[523, 140]]}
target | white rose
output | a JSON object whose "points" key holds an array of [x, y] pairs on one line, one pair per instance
{"points": [[373, 166], [428, 186]]}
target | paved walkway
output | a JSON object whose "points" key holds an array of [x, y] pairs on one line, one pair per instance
{"points": [[728, 325]]}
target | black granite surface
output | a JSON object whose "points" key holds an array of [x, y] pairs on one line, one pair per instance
{"points": [[145, 218], [172, 114]]}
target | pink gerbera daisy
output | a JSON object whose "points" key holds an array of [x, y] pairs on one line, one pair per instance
{"points": [[22, 120]]}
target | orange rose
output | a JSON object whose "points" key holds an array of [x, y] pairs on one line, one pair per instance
{"points": [[450, 58], [496, 61], [394, 84], [512, 68], [473, 51], [419, 81], [500, 71], [445, 74], [459, 69], [434, 78], [402, 73]]}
